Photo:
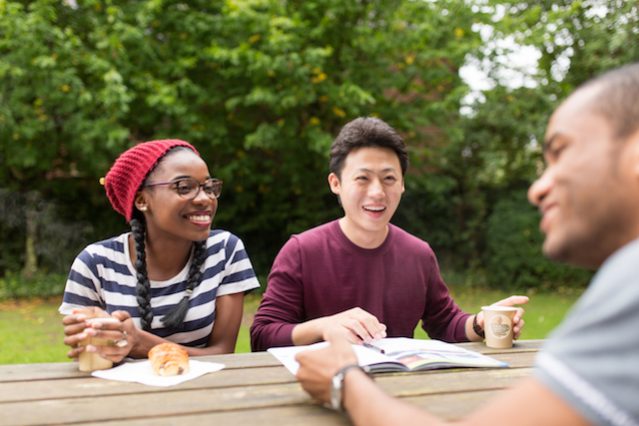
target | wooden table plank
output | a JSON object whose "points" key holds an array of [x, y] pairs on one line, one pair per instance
{"points": [[253, 388], [150, 404], [411, 385], [74, 388], [84, 385], [33, 390], [518, 346], [66, 370], [294, 415], [176, 401], [450, 407], [88, 386]]}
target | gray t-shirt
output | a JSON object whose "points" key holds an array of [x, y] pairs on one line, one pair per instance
{"points": [[592, 359]]}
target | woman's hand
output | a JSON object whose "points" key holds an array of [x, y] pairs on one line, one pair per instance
{"points": [[113, 336], [75, 325], [125, 339]]}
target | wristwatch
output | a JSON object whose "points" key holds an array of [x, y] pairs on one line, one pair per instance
{"points": [[477, 329], [337, 385]]}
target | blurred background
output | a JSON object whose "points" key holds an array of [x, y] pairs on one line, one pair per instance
{"points": [[261, 87]]}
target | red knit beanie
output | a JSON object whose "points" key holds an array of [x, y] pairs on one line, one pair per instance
{"points": [[130, 169]]}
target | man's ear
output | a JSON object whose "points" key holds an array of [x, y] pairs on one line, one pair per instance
{"points": [[140, 202], [334, 183]]}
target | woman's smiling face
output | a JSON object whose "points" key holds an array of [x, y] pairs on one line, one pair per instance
{"points": [[167, 213]]}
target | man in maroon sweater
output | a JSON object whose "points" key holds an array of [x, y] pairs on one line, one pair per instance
{"points": [[360, 273]]}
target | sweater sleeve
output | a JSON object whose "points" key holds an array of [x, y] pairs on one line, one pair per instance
{"points": [[443, 319], [282, 306]]}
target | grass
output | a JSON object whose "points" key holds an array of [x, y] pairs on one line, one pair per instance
{"points": [[544, 311], [31, 330]]}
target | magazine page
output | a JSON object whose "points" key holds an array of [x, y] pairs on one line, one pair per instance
{"points": [[286, 354], [398, 354], [365, 356], [419, 354]]}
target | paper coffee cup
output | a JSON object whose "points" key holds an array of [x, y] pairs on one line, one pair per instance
{"points": [[91, 361], [498, 325]]}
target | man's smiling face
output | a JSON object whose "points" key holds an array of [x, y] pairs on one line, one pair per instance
{"points": [[583, 193], [370, 188]]}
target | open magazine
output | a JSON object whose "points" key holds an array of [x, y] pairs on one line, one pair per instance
{"points": [[399, 354]]}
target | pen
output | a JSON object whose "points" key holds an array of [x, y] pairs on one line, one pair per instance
{"points": [[373, 347]]}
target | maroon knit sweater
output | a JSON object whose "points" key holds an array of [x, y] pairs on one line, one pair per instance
{"points": [[321, 272]]}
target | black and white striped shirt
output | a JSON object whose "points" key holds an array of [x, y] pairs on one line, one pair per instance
{"points": [[102, 275]]}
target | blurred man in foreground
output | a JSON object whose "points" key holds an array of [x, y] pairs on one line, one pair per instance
{"points": [[588, 371]]}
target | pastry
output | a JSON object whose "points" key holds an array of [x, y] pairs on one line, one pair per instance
{"points": [[169, 359]]}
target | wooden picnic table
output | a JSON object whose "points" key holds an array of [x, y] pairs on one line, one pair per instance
{"points": [[253, 389]]}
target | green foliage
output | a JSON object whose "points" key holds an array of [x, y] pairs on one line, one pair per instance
{"points": [[13, 286], [425, 209], [581, 38], [61, 100], [494, 153], [513, 250], [262, 86]]}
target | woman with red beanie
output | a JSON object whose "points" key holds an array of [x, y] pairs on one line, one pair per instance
{"points": [[171, 278]]}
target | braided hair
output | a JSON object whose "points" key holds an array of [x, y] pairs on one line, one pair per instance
{"points": [[143, 286], [174, 319]]}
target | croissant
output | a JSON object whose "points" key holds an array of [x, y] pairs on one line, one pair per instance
{"points": [[169, 359]]}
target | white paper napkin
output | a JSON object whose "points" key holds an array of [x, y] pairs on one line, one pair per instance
{"points": [[142, 372]]}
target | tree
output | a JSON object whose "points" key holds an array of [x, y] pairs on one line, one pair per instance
{"points": [[260, 87], [60, 106], [498, 152]]}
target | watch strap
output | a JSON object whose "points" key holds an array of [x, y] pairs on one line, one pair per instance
{"points": [[477, 329], [337, 385]]}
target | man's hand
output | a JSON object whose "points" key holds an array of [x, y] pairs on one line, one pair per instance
{"points": [[317, 367], [355, 324], [518, 320]]}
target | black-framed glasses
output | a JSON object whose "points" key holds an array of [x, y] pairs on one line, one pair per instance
{"points": [[189, 188]]}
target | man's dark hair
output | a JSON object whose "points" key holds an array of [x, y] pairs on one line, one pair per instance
{"points": [[366, 132], [617, 98]]}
